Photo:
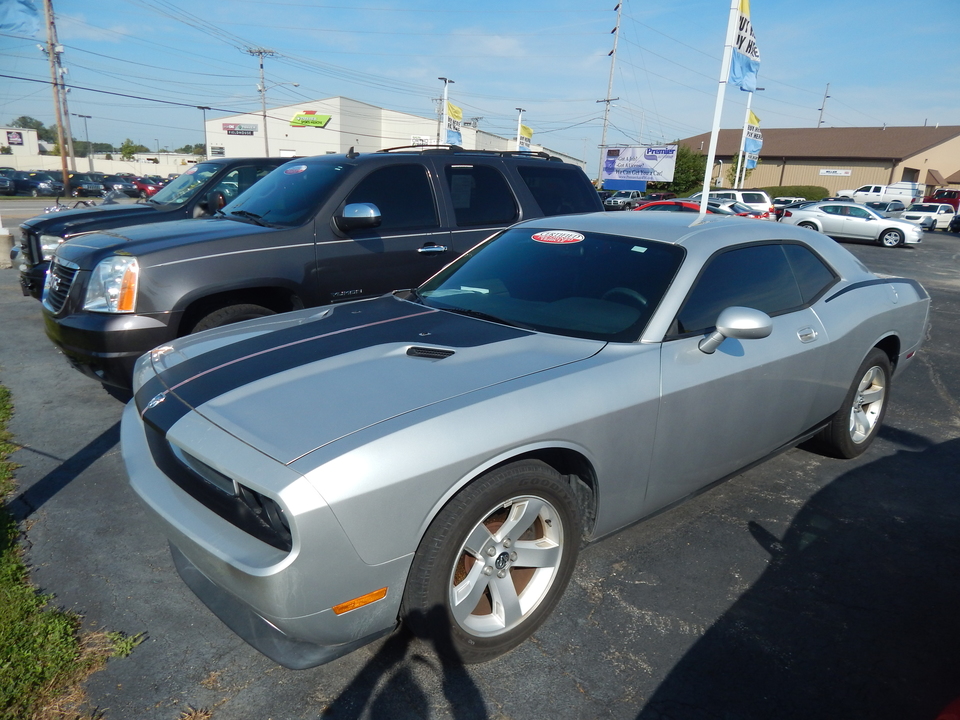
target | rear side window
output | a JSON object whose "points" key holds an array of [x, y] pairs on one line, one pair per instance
{"points": [[758, 276], [752, 197], [481, 196], [402, 194], [813, 276], [559, 190]]}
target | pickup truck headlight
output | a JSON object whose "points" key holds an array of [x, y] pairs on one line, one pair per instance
{"points": [[113, 286], [49, 244]]}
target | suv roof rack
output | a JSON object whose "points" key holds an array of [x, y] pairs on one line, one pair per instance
{"points": [[456, 149]]}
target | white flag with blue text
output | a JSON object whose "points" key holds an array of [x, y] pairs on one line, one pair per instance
{"points": [[745, 63], [753, 142]]}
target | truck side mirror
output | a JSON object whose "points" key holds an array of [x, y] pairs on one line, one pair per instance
{"points": [[358, 216]]}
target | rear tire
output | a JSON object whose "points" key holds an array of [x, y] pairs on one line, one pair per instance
{"points": [[229, 315], [856, 423], [494, 562]]}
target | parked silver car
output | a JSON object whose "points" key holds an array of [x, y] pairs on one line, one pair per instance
{"points": [[437, 456], [851, 220]]}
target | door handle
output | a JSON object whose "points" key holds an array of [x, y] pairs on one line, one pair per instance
{"points": [[807, 334], [432, 249]]}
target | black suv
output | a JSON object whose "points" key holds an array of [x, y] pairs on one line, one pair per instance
{"points": [[185, 197], [315, 231]]}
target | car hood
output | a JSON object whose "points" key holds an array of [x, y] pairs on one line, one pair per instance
{"points": [[79, 219], [291, 384], [143, 239]]}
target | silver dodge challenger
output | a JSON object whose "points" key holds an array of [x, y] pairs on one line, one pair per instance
{"points": [[437, 456]]}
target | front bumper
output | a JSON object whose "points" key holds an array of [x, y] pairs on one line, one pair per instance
{"points": [[280, 602], [106, 347], [32, 278]]}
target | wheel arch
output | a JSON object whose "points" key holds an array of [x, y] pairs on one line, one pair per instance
{"points": [[571, 462], [890, 345], [278, 299]]}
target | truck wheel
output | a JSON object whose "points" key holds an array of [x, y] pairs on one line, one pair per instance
{"points": [[229, 315]]}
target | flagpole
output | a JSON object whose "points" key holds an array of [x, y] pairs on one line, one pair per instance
{"points": [[718, 110], [737, 181]]}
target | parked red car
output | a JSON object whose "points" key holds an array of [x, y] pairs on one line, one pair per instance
{"points": [[147, 186], [683, 206]]}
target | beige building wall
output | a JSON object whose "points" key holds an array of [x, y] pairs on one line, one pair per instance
{"points": [[944, 158]]}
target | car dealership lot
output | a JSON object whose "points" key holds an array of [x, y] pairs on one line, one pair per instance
{"points": [[806, 587]]}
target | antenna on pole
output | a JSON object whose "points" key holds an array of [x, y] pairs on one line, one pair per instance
{"points": [[607, 100], [262, 87]]}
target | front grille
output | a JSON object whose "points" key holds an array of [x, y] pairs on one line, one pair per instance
{"points": [[30, 245], [246, 509], [62, 274]]}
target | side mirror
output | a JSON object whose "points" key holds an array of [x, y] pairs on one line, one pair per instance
{"points": [[215, 201], [358, 216], [737, 322]]}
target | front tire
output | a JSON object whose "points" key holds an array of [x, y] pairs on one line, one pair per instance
{"points": [[891, 238], [856, 423], [229, 315], [494, 562]]}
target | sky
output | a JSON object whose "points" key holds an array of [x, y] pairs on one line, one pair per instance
{"points": [[141, 67]]}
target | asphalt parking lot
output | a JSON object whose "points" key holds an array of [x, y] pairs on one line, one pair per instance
{"points": [[805, 588]]}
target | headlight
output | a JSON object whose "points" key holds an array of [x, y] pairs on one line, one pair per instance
{"points": [[49, 245], [113, 286]]}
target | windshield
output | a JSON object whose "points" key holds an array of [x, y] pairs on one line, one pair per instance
{"points": [[290, 195], [185, 186], [622, 194], [587, 285]]}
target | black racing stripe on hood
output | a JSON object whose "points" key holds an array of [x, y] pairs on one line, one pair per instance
{"points": [[349, 328]]}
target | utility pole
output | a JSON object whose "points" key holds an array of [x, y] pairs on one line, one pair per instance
{"points": [[823, 105], [607, 100], [203, 109], [262, 87], [51, 44]]}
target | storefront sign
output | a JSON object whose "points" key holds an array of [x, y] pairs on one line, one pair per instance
{"points": [[239, 128], [840, 173], [309, 118]]}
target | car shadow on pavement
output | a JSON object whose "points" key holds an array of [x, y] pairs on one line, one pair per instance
{"points": [[392, 672], [32, 499], [857, 614]]}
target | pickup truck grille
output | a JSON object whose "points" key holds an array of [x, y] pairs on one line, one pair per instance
{"points": [[58, 286]]}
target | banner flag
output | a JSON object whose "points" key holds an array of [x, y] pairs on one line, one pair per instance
{"points": [[454, 120], [745, 62], [526, 136], [753, 141], [648, 164], [19, 17]]}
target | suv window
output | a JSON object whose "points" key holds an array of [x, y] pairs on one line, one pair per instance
{"points": [[481, 195], [239, 180], [402, 194], [557, 190], [752, 197], [757, 276]]}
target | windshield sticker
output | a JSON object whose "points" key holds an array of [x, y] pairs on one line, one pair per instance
{"points": [[558, 237], [191, 171], [296, 169]]}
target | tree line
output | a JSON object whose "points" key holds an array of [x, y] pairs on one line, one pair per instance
{"points": [[81, 148]]}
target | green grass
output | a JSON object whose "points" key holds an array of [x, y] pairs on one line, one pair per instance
{"points": [[43, 655]]}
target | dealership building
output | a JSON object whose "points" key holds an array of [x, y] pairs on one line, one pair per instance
{"points": [[844, 158], [333, 126]]}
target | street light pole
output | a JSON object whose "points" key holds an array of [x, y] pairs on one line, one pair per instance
{"points": [[442, 130], [519, 126], [203, 109], [86, 134]]}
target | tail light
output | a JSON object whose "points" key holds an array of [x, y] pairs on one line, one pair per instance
{"points": [[787, 213]]}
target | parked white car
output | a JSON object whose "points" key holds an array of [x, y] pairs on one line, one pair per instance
{"points": [[850, 220], [905, 192], [756, 199], [930, 216]]}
